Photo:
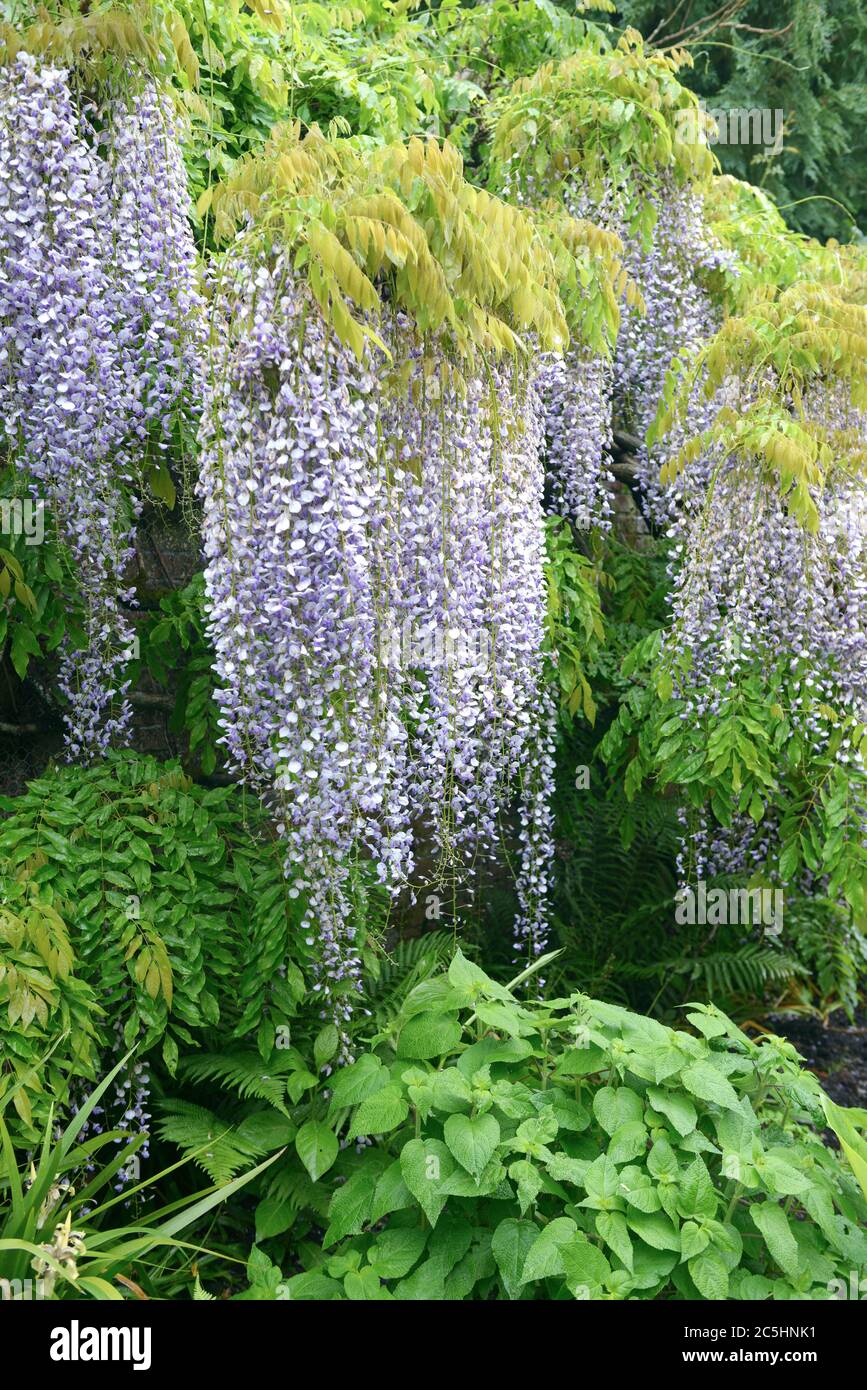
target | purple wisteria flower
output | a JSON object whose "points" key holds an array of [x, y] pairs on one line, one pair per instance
{"points": [[98, 320], [347, 505]]}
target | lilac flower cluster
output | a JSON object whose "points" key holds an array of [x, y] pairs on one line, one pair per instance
{"points": [[290, 486], [576, 390], [124, 1109], [753, 590], [344, 501], [154, 272], [679, 317], [96, 274]]}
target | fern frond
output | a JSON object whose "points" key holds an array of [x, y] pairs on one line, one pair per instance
{"points": [[206, 1138], [410, 963], [242, 1072]]}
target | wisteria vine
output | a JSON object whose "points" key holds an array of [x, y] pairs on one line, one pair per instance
{"points": [[98, 325], [375, 545]]}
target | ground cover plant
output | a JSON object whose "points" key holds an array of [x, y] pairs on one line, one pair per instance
{"points": [[433, 651]]}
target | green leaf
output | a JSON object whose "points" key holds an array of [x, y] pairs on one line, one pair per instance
{"points": [[463, 1184], [627, 1142], [510, 1245], [611, 1226], [585, 1267], [425, 1284], [24, 645], [392, 1193], [544, 1258], [472, 1141], [396, 1251], [696, 1196], [677, 1109], [771, 1220], [450, 1090], [313, 1285], [170, 1054], [780, 1177], [704, 1081], [426, 1164], [655, 1229], [693, 1239], [274, 1215], [161, 485], [581, 1061], [429, 1035], [317, 1147], [380, 1113], [616, 1106], [326, 1045], [356, 1082], [842, 1121], [363, 1285], [708, 1024], [466, 976], [350, 1207], [529, 1183], [602, 1181], [451, 1240], [709, 1275]]}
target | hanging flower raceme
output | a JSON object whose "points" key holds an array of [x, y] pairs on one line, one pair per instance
{"points": [[756, 477], [678, 318], [96, 299], [374, 530], [615, 140], [290, 485], [576, 392], [154, 273], [376, 593], [62, 388], [769, 603]]}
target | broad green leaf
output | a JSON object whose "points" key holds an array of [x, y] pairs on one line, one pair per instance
{"points": [[380, 1113], [696, 1196], [472, 1141], [450, 1090], [616, 1106], [771, 1220], [510, 1246], [602, 1181], [274, 1215], [677, 1109], [350, 1207], [655, 1229], [854, 1147], [709, 1274], [392, 1193], [425, 1285], [611, 1226], [529, 1183], [693, 1239], [425, 1165], [584, 1266], [429, 1035], [325, 1045], [396, 1251], [704, 1081], [544, 1257], [627, 1142], [355, 1083], [466, 976], [363, 1285], [317, 1147]]}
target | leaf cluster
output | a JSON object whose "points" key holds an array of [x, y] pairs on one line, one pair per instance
{"points": [[572, 1149]]}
